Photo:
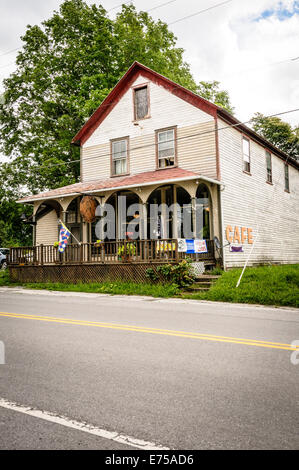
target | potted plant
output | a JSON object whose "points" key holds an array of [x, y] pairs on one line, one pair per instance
{"points": [[57, 255], [126, 251]]}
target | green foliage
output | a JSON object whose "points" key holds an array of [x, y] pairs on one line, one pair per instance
{"points": [[216, 271], [66, 67], [4, 279], [151, 275], [130, 249], [211, 92], [13, 232], [279, 133], [268, 285], [108, 287], [177, 274]]}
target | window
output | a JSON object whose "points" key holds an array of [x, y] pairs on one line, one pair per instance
{"points": [[141, 102], [166, 148], [269, 166], [286, 178], [246, 155], [119, 156]]}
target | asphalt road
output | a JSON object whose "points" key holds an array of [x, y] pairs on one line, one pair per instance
{"points": [[147, 371]]}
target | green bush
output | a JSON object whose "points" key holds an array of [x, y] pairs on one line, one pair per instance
{"points": [[177, 274]]}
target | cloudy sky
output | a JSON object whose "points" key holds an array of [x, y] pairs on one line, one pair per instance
{"points": [[250, 46]]}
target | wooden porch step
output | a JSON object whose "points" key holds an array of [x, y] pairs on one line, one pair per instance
{"points": [[207, 277]]}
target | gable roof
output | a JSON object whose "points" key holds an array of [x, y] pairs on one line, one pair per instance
{"points": [[125, 83], [128, 79]]}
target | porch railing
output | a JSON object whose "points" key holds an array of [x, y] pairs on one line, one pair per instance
{"points": [[124, 251]]}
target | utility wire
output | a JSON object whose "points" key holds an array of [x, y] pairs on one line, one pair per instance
{"points": [[190, 136], [161, 5], [199, 12]]}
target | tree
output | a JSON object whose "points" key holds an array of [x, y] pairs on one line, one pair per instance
{"points": [[279, 133], [211, 92], [65, 69], [13, 232]]}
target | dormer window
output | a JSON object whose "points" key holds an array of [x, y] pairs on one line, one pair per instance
{"points": [[141, 102], [166, 147]]}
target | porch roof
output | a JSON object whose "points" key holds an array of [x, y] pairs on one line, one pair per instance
{"points": [[121, 182]]}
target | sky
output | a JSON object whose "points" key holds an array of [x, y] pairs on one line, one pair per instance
{"points": [[249, 46]]}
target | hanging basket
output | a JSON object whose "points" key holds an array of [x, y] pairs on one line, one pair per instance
{"points": [[88, 207]]}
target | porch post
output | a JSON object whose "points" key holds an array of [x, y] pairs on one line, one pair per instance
{"points": [[34, 231], [143, 228], [163, 215], [175, 214], [63, 216], [193, 209]]}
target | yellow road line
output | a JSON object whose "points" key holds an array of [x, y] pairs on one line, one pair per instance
{"points": [[158, 331]]}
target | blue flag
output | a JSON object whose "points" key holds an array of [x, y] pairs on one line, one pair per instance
{"points": [[64, 235]]}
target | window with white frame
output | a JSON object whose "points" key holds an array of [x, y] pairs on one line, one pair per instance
{"points": [[119, 157], [246, 154], [286, 178], [269, 166], [166, 148]]}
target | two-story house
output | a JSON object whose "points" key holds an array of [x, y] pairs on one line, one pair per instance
{"points": [[156, 142]]}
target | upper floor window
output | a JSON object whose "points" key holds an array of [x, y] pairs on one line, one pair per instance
{"points": [[286, 178], [269, 166], [119, 156], [246, 155], [141, 102], [166, 148]]}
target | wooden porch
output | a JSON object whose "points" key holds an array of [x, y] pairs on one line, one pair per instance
{"points": [[111, 252]]}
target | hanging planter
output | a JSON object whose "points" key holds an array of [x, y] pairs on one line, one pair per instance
{"points": [[88, 207]]}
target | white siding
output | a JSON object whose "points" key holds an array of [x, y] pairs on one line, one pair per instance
{"points": [[47, 229], [248, 201], [166, 110]]}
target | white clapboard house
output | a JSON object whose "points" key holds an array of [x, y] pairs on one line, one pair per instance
{"points": [[154, 141]]}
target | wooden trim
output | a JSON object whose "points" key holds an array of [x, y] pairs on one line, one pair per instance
{"points": [[267, 151], [137, 87], [164, 129], [287, 190], [243, 136], [218, 168], [112, 175], [125, 83], [258, 139], [247, 173]]}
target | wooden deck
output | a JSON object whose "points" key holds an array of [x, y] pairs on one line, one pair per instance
{"points": [[118, 252]]}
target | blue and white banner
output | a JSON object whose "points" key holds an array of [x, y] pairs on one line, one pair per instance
{"points": [[192, 245]]}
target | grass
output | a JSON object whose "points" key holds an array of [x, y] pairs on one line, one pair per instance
{"points": [[265, 285], [108, 287]]}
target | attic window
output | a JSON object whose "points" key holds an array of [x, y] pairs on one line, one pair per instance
{"points": [[141, 102]]}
